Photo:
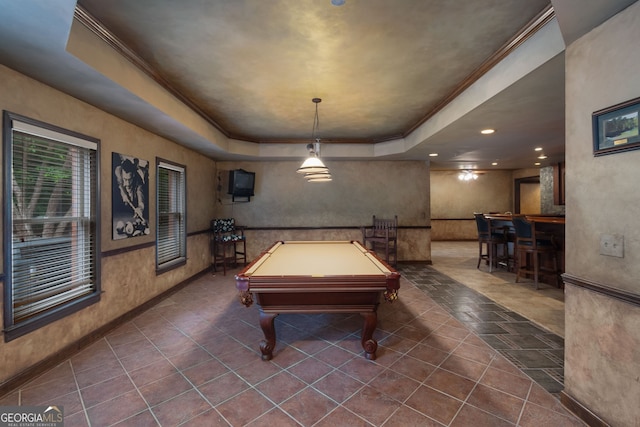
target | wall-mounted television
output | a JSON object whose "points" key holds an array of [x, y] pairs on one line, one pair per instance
{"points": [[241, 183]]}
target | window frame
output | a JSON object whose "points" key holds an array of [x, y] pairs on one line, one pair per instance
{"points": [[91, 183], [182, 258]]}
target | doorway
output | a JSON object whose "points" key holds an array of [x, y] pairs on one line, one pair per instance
{"points": [[527, 195]]}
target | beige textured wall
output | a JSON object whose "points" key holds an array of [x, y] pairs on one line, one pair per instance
{"points": [[453, 200], [526, 173], [529, 198], [129, 279], [602, 344], [413, 244], [359, 190], [453, 229]]}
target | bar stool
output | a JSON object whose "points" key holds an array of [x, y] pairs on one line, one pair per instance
{"points": [[490, 239], [508, 256], [530, 247]]}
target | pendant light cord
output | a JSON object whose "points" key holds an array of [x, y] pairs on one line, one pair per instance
{"points": [[316, 122]]}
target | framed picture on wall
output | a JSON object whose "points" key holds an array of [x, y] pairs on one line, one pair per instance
{"points": [[129, 197], [615, 129]]}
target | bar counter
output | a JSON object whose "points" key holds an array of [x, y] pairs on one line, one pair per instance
{"points": [[551, 224], [548, 219]]}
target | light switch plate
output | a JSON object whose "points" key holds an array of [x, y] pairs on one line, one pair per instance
{"points": [[612, 245]]}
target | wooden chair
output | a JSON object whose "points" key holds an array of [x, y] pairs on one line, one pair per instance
{"points": [[382, 237], [530, 247], [228, 243], [491, 239]]}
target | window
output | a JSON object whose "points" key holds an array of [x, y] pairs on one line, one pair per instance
{"points": [[51, 224], [171, 229]]}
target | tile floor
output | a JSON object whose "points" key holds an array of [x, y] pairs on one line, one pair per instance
{"points": [[193, 360], [545, 306], [524, 324]]}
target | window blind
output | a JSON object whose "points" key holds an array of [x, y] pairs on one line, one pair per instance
{"points": [[53, 221], [171, 232]]}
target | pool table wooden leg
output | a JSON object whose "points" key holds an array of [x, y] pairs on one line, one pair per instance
{"points": [[269, 343], [368, 343]]}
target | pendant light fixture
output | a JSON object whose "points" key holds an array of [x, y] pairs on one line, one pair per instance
{"points": [[313, 164], [313, 168], [467, 175]]}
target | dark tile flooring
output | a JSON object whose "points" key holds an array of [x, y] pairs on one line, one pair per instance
{"points": [[537, 352]]}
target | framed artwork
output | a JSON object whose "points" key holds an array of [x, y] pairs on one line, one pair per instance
{"points": [[130, 195], [615, 129]]}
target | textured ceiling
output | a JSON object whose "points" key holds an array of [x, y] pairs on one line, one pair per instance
{"points": [[399, 79], [253, 66]]}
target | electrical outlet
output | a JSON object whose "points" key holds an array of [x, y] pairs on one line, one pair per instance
{"points": [[612, 245]]}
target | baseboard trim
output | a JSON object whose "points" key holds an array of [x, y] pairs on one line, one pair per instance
{"points": [[582, 411], [73, 348]]}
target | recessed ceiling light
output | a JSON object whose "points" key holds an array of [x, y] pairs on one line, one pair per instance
{"points": [[494, 164], [433, 154], [487, 131], [542, 157], [538, 149], [537, 164]]}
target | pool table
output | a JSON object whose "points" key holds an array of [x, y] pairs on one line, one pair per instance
{"points": [[317, 277]]}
